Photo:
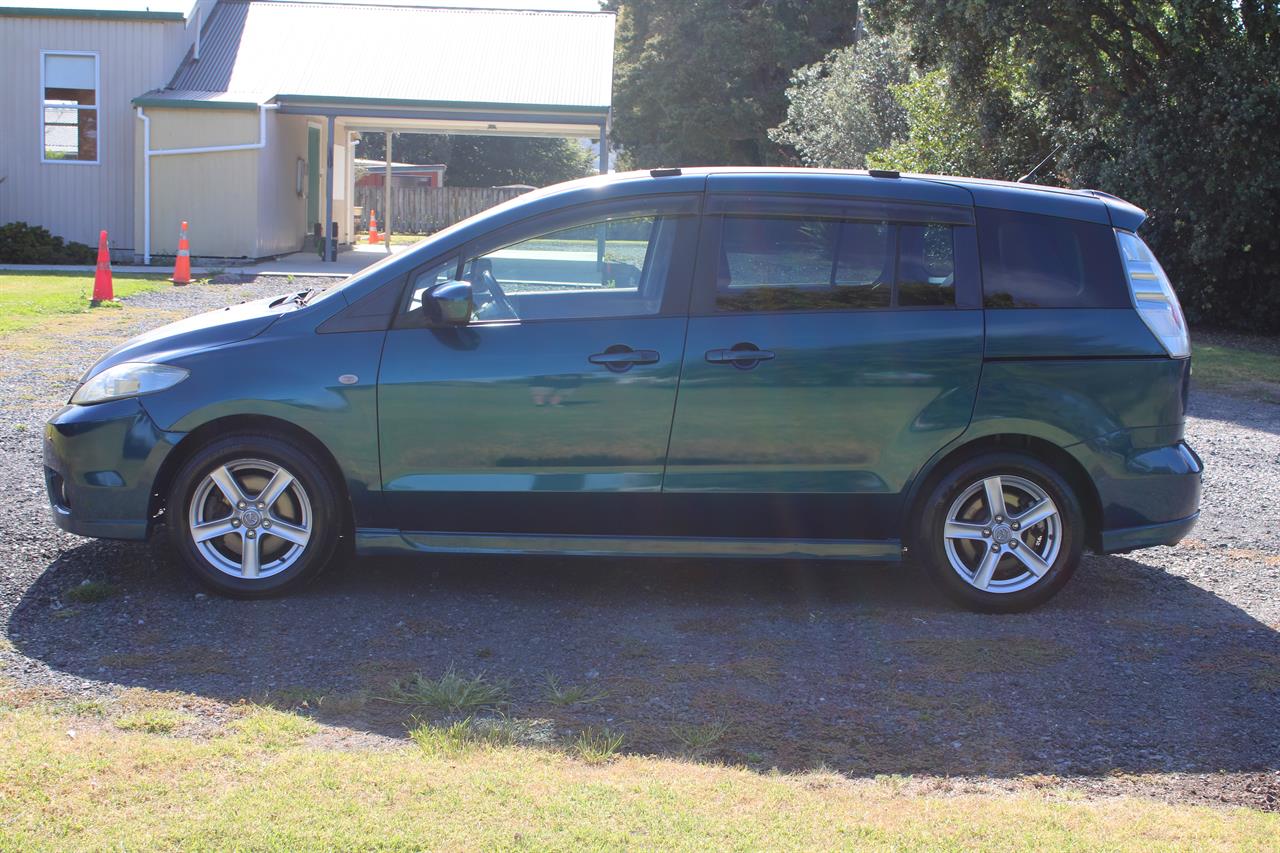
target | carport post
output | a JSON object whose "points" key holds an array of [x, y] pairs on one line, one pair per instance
{"points": [[386, 198], [330, 249], [604, 148]]}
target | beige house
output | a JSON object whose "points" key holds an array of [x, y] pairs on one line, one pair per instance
{"points": [[239, 116]]}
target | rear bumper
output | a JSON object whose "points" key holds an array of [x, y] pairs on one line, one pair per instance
{"points": [[1147, 536], [1148, 495], [100, 466]]}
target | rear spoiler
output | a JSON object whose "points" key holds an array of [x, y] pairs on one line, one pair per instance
{"points": [[1123, 214]]}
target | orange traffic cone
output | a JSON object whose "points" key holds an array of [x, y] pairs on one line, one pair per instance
{"points": [[374, 237], [102, 291], [182, 264]]}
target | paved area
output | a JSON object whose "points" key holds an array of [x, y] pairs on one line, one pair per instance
{"points": [[309, 263]]}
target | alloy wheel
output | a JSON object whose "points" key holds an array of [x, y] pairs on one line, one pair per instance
{"points": [[250, 518], [1002, 534]]}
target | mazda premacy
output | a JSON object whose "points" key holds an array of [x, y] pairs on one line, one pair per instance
{"points": [[986, 378]]}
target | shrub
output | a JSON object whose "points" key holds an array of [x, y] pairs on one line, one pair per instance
{"points": [[21, 243]]}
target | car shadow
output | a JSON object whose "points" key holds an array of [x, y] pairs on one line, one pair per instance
{"points": [[795, 665]]}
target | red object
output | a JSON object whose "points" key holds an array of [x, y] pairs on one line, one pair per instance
{"points": [[182, 264], [374, 236], [102, 291]]}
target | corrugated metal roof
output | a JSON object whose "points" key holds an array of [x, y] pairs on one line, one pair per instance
{"points": [[142, 10], [438, 56]]}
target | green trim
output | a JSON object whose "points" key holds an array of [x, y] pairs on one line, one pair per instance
{"points": [[100, 14], [189, 104], [532, 109]]}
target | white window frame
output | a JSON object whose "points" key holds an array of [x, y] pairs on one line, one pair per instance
{"points": [[97, 106]]}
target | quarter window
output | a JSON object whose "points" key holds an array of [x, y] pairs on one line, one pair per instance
{"points": [[69, 112], [794, 264], [1035, 261]]}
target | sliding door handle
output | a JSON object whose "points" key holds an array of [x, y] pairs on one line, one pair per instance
{"points": [[743, 356]]}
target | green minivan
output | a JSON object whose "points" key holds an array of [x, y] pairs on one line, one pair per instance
{"points": [[985, 377]]}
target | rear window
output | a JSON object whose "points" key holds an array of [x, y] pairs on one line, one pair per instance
{"points": [[1033, 261]]}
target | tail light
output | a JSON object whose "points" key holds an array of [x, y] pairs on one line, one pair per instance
{"points": [[1153, 295]]}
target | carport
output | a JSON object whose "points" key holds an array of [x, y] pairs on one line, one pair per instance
{"points": [[320, 73]]}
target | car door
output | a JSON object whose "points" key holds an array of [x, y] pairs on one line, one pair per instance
{"points": [[553, 406], [834, 345]]}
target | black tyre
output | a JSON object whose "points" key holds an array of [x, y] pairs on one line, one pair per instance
{"points": [[252, 515], [1001, 533]]}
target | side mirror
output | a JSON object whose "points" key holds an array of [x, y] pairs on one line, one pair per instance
{"points": [[449, 304]]}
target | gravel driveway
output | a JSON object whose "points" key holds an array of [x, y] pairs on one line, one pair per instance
{"points": [[1156, 672]]}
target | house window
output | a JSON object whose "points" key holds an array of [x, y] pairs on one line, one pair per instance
{"points": [[69, 109]]}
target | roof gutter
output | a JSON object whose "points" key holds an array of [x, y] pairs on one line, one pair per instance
{"points": [[148, 152]]}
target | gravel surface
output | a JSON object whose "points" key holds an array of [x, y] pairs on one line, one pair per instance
{"points": [[1155, 673]]}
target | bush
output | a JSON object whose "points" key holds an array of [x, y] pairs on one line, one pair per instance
{"points": [[21, 243]]}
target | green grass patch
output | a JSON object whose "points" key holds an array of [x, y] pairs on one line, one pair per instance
{"points": [[89, 592], [127, 789], [571, 694], [28, 298], [597, 746], [1236, 369], [452, 691], [154, 721]]}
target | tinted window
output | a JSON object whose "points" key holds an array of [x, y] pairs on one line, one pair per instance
{"points": [[1032, 261], [790, 264], [926, 265]]}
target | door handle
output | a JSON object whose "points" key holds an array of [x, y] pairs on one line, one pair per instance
{"points": [[743, 356], [620, 358]]}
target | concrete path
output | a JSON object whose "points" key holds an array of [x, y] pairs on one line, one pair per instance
{"points": [[309, 263]]}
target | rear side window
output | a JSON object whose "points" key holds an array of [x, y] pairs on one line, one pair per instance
{"points": [[1034, 261], [794, 264]]}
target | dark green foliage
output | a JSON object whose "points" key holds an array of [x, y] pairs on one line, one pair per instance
{"points": [[1172, 105], [700, 82], [487, 161], [21, 243]]}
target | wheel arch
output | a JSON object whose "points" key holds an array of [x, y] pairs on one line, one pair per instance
{"points": [[1045, 451], [218, 427]]}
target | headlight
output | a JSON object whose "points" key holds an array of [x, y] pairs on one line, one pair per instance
{"points": [[129, 379]]}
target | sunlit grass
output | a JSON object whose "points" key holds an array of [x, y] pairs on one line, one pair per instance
{"points": [[1238, 369], [27, 298], [262, 784]]}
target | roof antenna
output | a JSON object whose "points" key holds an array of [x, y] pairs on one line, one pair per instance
{"points": [[1029, 175]]}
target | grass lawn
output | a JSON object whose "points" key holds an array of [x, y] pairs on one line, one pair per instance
{"points": [[28, 298], [78, 779], [1238, 369]]}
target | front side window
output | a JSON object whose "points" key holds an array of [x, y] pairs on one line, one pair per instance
{"points": [[613, 267], [69, 129], [796, 264]]}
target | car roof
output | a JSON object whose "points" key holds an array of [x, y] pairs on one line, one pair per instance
{"points": [[1084, 204]]}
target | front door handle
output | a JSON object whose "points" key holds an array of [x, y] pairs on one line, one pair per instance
{"points": [[743, 356], [620, 358]]}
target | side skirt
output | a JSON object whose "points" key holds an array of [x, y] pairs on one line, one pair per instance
{"points": [[375, 541]]}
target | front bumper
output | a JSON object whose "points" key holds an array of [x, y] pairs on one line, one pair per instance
{"points": [[1149, 492], [100, 467]]}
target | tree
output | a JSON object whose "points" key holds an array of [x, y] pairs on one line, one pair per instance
{"points": [[847, 105], [487, 161], [1171, 105], [701, 82]]}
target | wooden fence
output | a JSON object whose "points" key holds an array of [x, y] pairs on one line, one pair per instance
{"points": [[422, 210]]}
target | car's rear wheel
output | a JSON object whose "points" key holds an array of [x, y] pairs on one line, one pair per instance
{"points": [[1002, 532], [252, 515]]}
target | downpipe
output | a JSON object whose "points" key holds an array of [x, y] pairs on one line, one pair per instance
{"points": [[148, 152]]}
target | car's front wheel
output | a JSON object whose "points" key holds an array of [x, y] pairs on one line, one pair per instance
{"points": [[251, 515], [1002, 532]]}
